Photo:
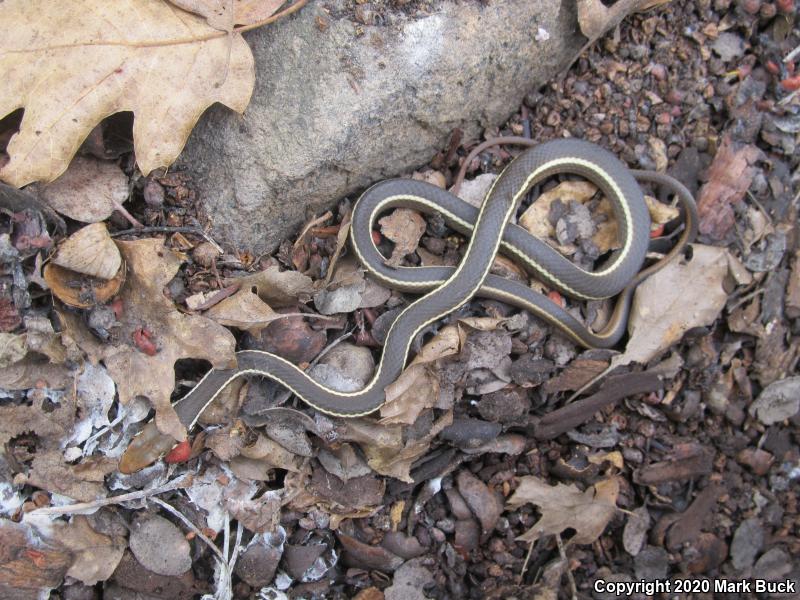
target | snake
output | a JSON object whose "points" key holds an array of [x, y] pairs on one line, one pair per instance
{"points": [[490, 231], [444, 289]]}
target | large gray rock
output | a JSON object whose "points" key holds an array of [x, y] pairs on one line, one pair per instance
{"points": [[339, 105]]}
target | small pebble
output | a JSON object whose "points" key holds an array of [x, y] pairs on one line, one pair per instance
{"points": [[446, 525], [767, 11], [205, 254], [750, 6], [675, 96], [658, 71], [701, 143], [153, 193]]}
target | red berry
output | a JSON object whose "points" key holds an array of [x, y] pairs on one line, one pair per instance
{"points": [[180, 453], [557, 298], [791, 84], [143, 341]]}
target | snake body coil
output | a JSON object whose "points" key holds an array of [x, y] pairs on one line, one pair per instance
{"points": [[447, 288]]}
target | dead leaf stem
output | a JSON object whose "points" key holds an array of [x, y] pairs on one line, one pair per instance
{"points": [[167, 229], [615, 389], [175, 512], [573, 588], [79, 507]]}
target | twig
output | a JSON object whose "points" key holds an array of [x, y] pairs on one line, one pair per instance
{"points": [[791, 56], [616, 388], [219, 296], [174, 511], [16, 200], [512, 140], [311, 224], [760, 207], [166, 229], [226, 539], [101, 432], [78, 507], [745, 298], [124, 212], [789, 98], [330, 347], [341, 237], [224, 589], [237, 545], [525, 564], [596, 379], [570, 577]]}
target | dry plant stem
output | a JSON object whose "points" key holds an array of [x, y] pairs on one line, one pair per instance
{"points": [[124, 212], [761, 208], [596, 379], [101, 432], [79, 507], [498, 141], [167, 229], [525, 564], [745, 298], [237, 546], [562, 552], [792, 55], [615, 389], [341, 238], [789, 98], [330, 347], [170, 509], [219, 296], [310, 226], [225, 586]]}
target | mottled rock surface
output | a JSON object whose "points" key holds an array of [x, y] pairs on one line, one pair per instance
{"points": [[339, 104]]}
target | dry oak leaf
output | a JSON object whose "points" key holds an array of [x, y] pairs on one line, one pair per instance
{"points": [[90, 251], [729, 178], [417, 388], [536, 218], [151, 266], [404, 227], [88, 191], [31, 371], [277, 288], [71, 64], [243, 310], [51, 422], [95, 555], [383, 445], [83, 481], [566, 507], [13, 348], [682, 295]]}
